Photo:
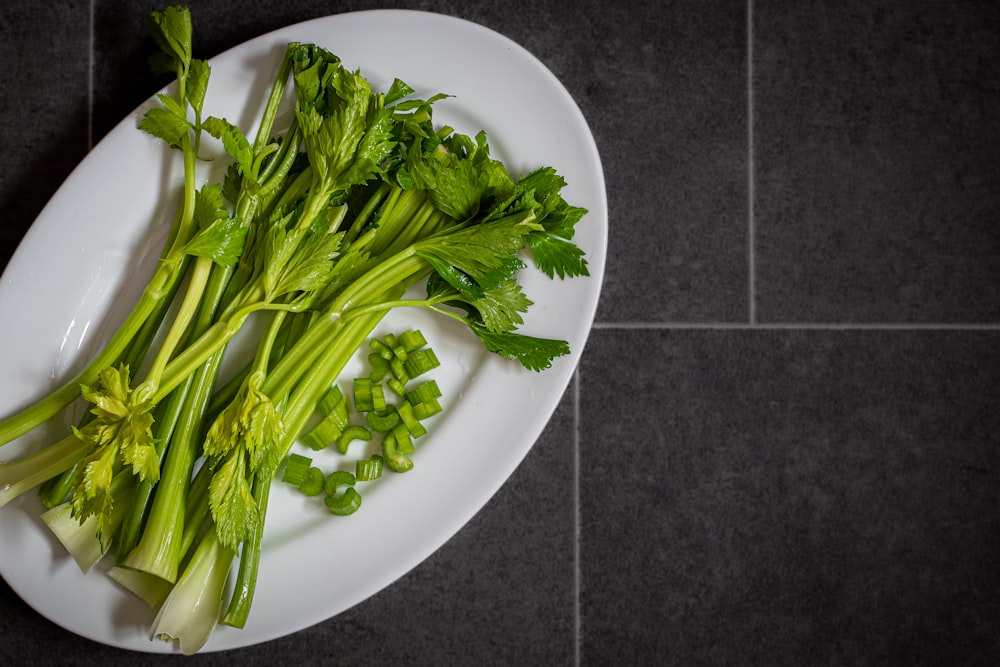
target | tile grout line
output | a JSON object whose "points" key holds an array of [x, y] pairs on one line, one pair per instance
{"points": [[90, 78], [577, 619], [751, 184], [800, 326]]}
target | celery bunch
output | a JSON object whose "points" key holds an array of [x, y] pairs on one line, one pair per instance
{"points": [[318, 230]]}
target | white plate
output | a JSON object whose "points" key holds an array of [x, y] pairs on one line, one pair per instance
{"points": [[95, 242]]}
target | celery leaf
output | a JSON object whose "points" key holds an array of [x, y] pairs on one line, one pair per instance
{"points": [[120, 434], [535, 354], [231, 501], [456, 190], [197, 84], [164, 124], [171, 30], [235, 143], [220, 237], [500, 307], [482, 249], [397, 91], [555, 255]]}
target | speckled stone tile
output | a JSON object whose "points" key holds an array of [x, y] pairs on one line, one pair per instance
{"points": [[790, 498], [664, 88], [44, 54], [877, 160]]}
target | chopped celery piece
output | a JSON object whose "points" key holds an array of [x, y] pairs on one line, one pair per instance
{"points": [[378, 398], [312, 485], [420, 362], [337, 479], [368, 395], [363, 394], [333, 407], [412, 340], [403, 440], [381, 423], [382, 350], [398, 368], [427, 408], [296, 468], [424, 392], [332, 400], [379, 367], [322, 435], [396, 386], [350, 434], [393, 458], [367, 470], [345, 503], [409, 419], [339, 414]]}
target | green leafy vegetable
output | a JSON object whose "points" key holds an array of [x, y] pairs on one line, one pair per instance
{"points": [[323, 224]]}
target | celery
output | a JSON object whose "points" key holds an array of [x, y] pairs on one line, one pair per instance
{"points": [[367, 470], [191, 610], [317, 234], [296, 468], [350, 434]]}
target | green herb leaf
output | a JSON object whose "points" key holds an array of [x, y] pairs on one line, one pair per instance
{"points": [[197, 84], [138, 446], [220, 237], [164, 124], [462, 283], [500, 307], [375, 146], [345, 133], [235, 143], [296, 260], [123, 422], [535, 354], [480, 250], [171, 29], [120, 434], [249, 421], [221, 242], [555, 255], [456, 190], [312, 68], [231, 501], [92, 491], [263, 429], [397, 91]]}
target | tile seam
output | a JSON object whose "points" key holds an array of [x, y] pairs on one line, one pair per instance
{"points": [[751, 179], [802, 326], [577, 573], [90, 76]]}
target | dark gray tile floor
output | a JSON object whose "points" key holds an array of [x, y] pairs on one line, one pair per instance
{"points": [[790, 497], [781, 446], [877, 170]]}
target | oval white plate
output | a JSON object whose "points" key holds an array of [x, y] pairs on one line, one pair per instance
{"points": [[88, 253]]}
